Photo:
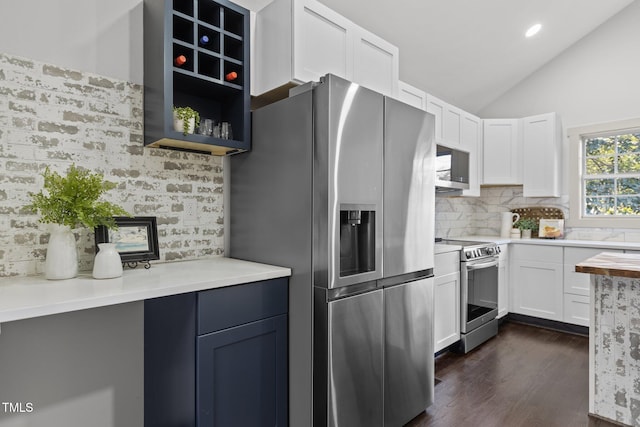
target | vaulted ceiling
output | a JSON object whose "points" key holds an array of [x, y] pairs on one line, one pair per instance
{"points": [[471, 52]]}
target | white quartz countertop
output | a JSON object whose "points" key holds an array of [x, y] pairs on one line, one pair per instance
{"points": [[34, 296], [604, 244]]}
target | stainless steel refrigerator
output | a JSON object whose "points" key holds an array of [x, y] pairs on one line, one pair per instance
{"points": [[339, 186]]}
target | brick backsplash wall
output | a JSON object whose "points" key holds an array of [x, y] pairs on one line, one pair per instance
{"points": [[51, 116]]}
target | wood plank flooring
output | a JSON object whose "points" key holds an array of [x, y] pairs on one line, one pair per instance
{"points": [[525, 377]]}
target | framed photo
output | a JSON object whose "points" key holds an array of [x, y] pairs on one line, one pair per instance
{"points": [[136, 239], [551, 228]]}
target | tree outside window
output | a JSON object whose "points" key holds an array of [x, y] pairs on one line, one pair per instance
{"points": [[611, 175]]}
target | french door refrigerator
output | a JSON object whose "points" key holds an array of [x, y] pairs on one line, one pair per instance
{"points": [[309, 195]]}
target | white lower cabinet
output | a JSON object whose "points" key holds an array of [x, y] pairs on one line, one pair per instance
{"points": [[446, 300], [503, 281], [576, 309], [577, 286], [536, 279]]}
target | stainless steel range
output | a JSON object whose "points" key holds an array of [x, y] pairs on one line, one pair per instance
{"points": [[478, 293]]}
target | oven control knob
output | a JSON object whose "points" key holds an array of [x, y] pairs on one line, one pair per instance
{"points": [[491, 251], [468, 254]]}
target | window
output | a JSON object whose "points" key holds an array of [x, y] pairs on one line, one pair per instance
{"points": [[605, 175]]}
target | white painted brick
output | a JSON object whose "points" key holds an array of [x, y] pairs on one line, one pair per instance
{"points": [[64, 116]]}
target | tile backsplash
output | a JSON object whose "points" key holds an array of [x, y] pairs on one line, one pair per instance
{"points": [[480, 216], [51, 116]]}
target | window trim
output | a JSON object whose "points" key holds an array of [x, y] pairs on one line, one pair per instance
{"points": [[576, 154]]}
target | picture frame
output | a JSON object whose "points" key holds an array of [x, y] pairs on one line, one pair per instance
{"points": [[551, 229], [136, 239]]}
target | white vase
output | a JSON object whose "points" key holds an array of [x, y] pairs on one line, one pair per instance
{"points": [[526, 234], [62, 254], [107, 263], [178, 124]]}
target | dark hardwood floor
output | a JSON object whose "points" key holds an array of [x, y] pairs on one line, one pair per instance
{"points": [[526, 376]]}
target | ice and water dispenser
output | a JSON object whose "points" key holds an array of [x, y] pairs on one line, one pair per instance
{"points": [[357, 241]]}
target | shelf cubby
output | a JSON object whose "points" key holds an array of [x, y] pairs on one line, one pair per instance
{"points": [[175, 27], [209, 12]]}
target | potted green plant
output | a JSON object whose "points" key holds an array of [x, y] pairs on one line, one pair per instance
{"points": [[185, 119], [67, 202], [526, 225]]}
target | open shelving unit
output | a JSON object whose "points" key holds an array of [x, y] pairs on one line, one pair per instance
{"points": [[176, 27]]}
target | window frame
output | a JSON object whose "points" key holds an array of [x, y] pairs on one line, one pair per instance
{"points": [[576, 157]]}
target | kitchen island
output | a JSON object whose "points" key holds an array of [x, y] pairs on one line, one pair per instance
{"points": [[614, 336]]}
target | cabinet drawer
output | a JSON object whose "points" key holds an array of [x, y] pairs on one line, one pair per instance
{"points": [[577, 309], [578, 283], [538, 253], [236, 305]]}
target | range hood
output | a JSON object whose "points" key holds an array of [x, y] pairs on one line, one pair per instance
{"points": [[452, 171]]}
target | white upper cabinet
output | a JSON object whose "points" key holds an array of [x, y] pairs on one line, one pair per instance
{"points": [[375, 63], [436, 107], [322, 42], [542, 149], [297, 41], [471, 141], [455, 128], [502, 152], [452, 125], [412, 95]]}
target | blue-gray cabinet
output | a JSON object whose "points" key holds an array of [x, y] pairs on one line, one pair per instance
{"points": [[218, 357], [196, 54]]}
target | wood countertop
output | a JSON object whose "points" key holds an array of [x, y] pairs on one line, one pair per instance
{"points": [[612, 264]]}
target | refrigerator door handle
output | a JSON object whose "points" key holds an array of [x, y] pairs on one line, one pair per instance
{"points": [[387, 282]]}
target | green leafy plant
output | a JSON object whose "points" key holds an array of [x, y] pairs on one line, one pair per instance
{"points": [[526, 224], [185, 114], [74, 199]]}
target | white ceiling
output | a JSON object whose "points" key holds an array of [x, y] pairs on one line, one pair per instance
{"points": [[471, 52]]}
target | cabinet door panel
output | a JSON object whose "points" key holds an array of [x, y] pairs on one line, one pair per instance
{"points": [[242, 375], [446, 324], [470, 140], [577, 309], [542, 150], [452, 124], [412, 95], [322, 42], [538, 289], [375, 62], [502, 157], [436, 107]]}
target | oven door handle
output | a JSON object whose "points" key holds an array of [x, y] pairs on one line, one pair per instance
{"points": [[480, 265]]}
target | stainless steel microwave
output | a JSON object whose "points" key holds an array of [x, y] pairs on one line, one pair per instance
{"points": [[452, 169]]}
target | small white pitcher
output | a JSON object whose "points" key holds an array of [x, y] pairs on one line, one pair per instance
{"points": [[508, 219]]}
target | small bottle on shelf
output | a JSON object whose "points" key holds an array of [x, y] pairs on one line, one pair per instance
{"points": [[231, 76], [180, 60], [204, 40]]}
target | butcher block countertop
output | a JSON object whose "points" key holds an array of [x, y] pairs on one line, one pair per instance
{"points": [[612, 264]]}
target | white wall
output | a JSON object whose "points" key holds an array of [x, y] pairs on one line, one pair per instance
{"points": [[75, 369], [102, 37], [596, 80]]}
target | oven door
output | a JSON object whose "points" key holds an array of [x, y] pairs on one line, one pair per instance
{"points": [[479, 302]]}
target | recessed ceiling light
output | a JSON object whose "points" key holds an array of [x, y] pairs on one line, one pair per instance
{"points": [[533, 30]]}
